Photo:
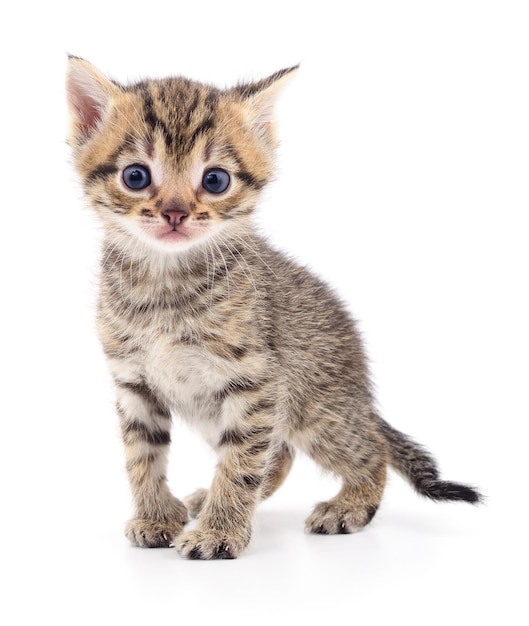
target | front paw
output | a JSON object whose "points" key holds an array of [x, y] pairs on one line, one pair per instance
{"points": [[147, 533], [210, 544]]}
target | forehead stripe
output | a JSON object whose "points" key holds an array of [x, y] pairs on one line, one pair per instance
{"points": [[203, 127], [153, 120]]}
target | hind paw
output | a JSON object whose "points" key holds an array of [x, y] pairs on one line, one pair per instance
{"points": [[333, 518], [195, 502]]}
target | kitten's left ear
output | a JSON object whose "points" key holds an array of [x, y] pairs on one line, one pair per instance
{"points": [[260, 97], [89, 93]]}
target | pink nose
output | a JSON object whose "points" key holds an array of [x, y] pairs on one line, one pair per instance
{"points": [[174, 217]]}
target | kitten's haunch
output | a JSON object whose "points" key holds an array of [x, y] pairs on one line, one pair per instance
{"points": [[200, 316]]}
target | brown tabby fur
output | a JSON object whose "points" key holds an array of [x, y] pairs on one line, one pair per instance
{"points": [[200, 316]]}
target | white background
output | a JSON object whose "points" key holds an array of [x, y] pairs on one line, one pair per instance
{"points": [[402, 179]]}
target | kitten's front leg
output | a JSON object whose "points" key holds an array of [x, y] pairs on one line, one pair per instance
{"points": [[225, 520], [145, 428]]}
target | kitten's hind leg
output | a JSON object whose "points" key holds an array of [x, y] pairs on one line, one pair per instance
{"points": [[280, 466], [352, 509], [359, 457], [195, 501]]}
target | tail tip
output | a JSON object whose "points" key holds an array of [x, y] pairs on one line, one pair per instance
{"points": [[454, 492]]}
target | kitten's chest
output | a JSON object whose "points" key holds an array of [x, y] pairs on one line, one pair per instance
{"points": [[181, 370], [191, 362]]}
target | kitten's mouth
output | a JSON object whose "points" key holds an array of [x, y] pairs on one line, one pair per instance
{"points": [[173, 235]]}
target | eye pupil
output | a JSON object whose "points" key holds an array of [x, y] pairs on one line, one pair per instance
{"points": [[136, 177], [215, 180]]}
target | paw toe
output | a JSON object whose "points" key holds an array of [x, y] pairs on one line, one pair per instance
{"points": [[208, 545], [337, 519], [152, 534]]}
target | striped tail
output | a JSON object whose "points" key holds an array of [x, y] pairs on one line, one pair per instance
{"points": [[415, 464]]}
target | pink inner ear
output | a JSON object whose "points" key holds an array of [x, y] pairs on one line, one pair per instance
{"points": [[87, 98], [86, 109]]}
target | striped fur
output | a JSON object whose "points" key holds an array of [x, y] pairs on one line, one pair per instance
{"points": [[198, 315]]}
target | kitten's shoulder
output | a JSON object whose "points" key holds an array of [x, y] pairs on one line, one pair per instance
{"points": [[291, 278]]}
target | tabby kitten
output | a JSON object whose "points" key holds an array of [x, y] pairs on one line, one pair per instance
{"points": [[198, 314]]}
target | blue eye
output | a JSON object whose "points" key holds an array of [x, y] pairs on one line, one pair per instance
{"points": [[215, 180], [136, 177]]}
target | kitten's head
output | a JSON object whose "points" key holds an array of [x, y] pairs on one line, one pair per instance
{"points": [[171, 162]]}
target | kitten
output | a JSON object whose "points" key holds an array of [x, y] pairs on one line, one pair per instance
{"points": [[198, 314]]}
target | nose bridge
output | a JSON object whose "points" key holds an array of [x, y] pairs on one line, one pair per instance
{"points": [[174, 204], [177, 193]]}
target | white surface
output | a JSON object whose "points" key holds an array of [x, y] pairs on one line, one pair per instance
{"points": [[403, 180]]}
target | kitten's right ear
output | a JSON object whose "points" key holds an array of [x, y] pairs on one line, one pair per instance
{"points": [[89, 93]]}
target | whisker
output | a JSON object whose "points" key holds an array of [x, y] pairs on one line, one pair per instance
{"points": [[225, 267], [253, 250], [247, 270]]}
